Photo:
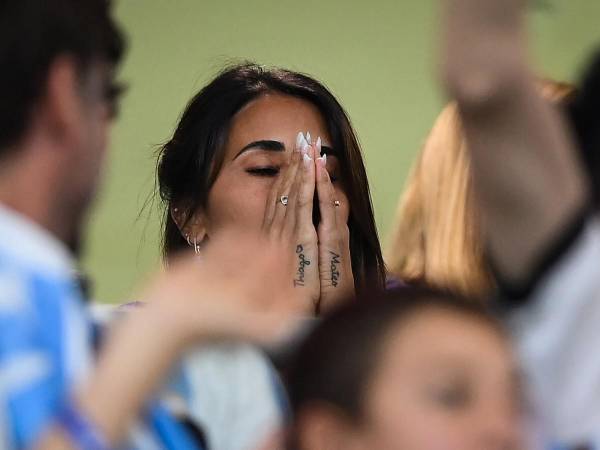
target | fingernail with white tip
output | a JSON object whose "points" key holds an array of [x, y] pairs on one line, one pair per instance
{"points": [[305, 148], [318, 145], [307, 160], [299, 141], [308, 137]]}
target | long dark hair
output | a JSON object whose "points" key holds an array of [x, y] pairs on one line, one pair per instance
{"points": [[190, 161]]}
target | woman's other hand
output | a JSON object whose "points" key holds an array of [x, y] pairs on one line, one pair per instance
{"points": [[335, 264]]}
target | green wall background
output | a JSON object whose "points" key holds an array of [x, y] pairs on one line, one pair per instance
{"points": [[378, 57]]}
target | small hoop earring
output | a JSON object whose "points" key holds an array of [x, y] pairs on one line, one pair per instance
{"points": [[194, 244]]}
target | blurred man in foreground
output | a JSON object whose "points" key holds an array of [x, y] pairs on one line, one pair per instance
{"points": [[58, 60]]}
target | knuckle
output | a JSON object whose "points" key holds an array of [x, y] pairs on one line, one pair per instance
{"points": [[326, 229], [306, 235], [325, 201], [304, 201]]}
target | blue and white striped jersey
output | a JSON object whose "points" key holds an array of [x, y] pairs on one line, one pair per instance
{"points": [[44, 334], [45, 340]]}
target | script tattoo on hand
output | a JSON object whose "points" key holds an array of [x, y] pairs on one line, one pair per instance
{"points": [[335, 274], [302, 263]]}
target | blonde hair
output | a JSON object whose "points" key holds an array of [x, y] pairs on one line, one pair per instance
{"points": [[436, 240]]}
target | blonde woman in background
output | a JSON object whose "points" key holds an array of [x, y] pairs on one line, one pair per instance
{"points": [[436, 239]]}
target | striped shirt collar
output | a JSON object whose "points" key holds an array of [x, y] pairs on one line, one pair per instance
{"points": [[26, 242]]}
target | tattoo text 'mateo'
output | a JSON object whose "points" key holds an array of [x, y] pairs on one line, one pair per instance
{"points": [[335, 274]]}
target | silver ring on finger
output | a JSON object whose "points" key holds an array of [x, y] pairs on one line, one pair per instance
{"points": [[284, 200]]}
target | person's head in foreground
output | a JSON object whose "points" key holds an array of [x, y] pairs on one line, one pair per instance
{"points": [[233, 145], [411, 369], [58, 96], [436, 240]]}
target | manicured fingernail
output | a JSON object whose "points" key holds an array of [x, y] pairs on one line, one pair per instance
{"points": [[307, 160], [305, 148], [299, 141], [304, 141], [308, 137], [323, 160], [318, 145]]}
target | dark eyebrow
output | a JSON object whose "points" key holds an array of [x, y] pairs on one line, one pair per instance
{"points": [[270, 146]]}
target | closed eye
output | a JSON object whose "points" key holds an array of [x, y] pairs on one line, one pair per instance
{"points": [[269, 171]]}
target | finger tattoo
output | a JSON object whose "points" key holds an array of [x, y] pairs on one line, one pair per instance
{"points": [[303, 261], [335, 273]]}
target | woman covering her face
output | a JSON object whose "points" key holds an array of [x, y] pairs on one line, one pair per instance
{"points": [[273, 152]]}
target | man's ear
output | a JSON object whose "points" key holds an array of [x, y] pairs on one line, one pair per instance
{"points": [[193, 229], [62, 103]]}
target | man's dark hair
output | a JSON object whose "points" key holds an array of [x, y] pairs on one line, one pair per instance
{"points": [[33, 33]]}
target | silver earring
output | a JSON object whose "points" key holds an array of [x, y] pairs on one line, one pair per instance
{"points": [[194, 244]]}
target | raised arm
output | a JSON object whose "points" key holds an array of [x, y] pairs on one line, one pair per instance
{"points": [[526, 175], [193, 303]]}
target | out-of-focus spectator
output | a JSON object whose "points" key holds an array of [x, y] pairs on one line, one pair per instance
{"points": [[436, 239], [58, 98], [542, 234], [408, 369]]}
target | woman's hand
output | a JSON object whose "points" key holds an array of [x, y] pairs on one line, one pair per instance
{"points": [[335, 264], [288, 225]]}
